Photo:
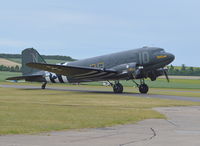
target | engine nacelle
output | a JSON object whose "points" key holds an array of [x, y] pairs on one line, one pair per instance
{"points": [[138, 72], [128, 68], [155, 73]]}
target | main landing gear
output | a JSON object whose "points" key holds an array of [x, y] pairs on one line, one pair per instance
{"points": [[143, 88], [117, 87], [44, 85]]}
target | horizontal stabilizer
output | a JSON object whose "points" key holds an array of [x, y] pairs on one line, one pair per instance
{"points": [[24, 77]]}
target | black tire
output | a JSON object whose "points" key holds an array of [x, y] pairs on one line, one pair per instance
{"points": [[118, 88], [143, 88]]}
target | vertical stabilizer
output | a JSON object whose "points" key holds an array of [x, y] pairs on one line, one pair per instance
{"points": [[31, 55]]}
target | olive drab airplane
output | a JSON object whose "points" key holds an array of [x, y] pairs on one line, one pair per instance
{"points": [[142, 63]]}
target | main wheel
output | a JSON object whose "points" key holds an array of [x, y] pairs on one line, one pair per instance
{"points": [[143, 88], [118, 88]]}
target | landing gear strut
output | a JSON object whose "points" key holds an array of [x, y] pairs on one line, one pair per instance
{"points": [[44, 85], [118, 88], [143, 88]]}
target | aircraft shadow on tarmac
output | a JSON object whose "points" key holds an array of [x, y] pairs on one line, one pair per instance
{"points": [[172, 97], [94, 92], [88, 91]]}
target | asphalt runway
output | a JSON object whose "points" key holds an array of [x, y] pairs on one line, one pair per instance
{"points": [[109, 91], [180, 128]]}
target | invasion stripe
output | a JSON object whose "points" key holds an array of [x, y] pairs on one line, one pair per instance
{"points": [[105, 76], [111, 74], [65, 80], [51, 78], [56, 79], [60, 79], [47, 79], [96, 75], [84, 74]]}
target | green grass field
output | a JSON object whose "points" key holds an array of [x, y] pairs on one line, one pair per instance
{"points": [[34, 111], [4, 75]]}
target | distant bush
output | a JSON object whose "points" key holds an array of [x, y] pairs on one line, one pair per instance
{"points": [[184, 71], [10, 68]]}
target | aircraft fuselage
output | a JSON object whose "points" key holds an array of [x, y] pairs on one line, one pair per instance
{"points": [[150, 59]]}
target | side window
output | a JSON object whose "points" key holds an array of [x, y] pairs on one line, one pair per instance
{"points": [[101, 65], [93, 65]]}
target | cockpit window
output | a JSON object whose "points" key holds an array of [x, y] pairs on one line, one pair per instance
{"points": [[159, 51], [162, 51]]}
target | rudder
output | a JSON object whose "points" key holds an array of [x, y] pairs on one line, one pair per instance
{"points": [[31, 55]]}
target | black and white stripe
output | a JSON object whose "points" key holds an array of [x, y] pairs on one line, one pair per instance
{"points": [[86, 74], [55, 78], [60, 78]]}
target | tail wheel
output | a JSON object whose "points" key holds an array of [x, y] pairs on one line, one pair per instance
{"points": [[44, 85], [118, 88], [143, 88]]}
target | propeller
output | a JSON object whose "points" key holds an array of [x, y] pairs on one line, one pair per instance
{"points": [[165, 73]]}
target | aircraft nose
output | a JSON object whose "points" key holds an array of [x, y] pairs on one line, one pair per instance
{"points": [[171, 57]]}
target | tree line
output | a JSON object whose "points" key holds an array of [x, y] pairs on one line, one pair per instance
{"points": [[16, 68], [183, 70], [56, 57]]}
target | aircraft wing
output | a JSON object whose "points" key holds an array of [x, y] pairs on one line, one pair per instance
{"points": [[73, 71]]}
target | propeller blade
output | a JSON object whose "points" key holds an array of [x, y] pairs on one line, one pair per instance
{"points": [[166, 75]]}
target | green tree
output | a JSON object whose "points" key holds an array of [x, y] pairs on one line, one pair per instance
{"points": [[17, 69], [183, 68], [12, 69]]}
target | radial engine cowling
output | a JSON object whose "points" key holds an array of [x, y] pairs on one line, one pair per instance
{"points": [[155, 73]]}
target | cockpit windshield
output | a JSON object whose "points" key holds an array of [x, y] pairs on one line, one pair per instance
{"points": [[162, 51], [159, 51]]}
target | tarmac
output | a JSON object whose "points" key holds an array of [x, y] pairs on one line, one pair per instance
{"points": [[180, 128], [109, 91]]}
